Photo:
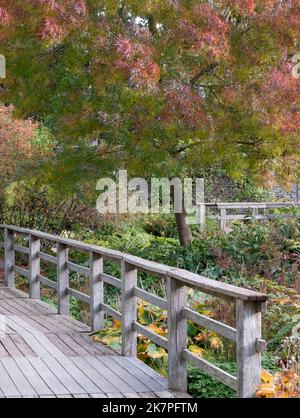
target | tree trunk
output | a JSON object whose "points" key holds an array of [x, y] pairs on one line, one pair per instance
{"points": [[183, 229]]}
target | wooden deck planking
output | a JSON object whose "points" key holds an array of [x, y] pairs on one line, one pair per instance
{"points": [[46, 355]]}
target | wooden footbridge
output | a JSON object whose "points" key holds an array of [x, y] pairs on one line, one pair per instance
{"points": [[45, 353]]}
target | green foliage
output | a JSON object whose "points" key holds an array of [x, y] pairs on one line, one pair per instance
{"points": [[203, 386]]}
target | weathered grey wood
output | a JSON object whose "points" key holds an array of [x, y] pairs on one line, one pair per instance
{"points": [[208, 323], [115, 395], [153, 299], [9, 345], [203, 284], [47, 282], [96, 291], [7, 386], [21, 271], [106, 278], [177, 335], [33, 326], [218, 289], [146, 371], [78, 269], [111, 312], [146, 265], [34, 338], [34, 267], [129, 310], [77, 245], [131, 395], [99, 380], [240, 217], [62, 279], [127, 376], [164, 394], [148, 395], [253, 207], [261, 345], [202, 216], [48, 376], [248, 319], [142, 372], [79, 295], [69, 341], [48, 258], [211, 370], [22, 346], [78, 375], [99, 364], [222, 221], [145, 332], [9, 258], [16, 375], [21, 249]]}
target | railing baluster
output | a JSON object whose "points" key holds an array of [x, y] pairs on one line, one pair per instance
{"points": [[96, 291], [34, 267], [9, 258], [62, 279], [129, 310], [222, 221], [249, 305], [177, 335], [248, 316]]}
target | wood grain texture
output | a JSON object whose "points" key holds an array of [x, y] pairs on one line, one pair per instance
{"points": [[9, 258], [177, 335], [34, 267], [248, 317], [47, 355], [96, 291], [129, 310], [62, 279]]}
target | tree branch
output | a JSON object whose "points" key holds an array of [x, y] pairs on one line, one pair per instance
{"points": [[152, 25], [204, 71]]}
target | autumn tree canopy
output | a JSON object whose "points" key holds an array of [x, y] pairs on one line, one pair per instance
{"points": [[158, 86]]}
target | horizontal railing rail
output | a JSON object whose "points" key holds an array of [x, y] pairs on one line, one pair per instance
{"points": [[259, 211], [249, 304]]}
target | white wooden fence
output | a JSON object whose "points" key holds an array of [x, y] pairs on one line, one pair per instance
{"points": [[249, 304], [262, 211]]}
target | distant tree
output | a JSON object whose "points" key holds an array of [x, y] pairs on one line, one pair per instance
{"points": [[162, 87]]}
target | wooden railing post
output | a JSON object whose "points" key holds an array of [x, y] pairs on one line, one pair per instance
{"points": [[129, 310], [202, 216], [248, 315], [255, 213], [62, 279], [9, 258], [266, 214], [34, 267], [177, 335], [222, 221], [96, 291]]}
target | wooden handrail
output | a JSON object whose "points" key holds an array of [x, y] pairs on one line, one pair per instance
{"points": [[249, 304], [260, 212]]}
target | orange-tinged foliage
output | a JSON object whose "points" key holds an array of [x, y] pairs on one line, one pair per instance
{"points": [[284, 384], [162, 81]]}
